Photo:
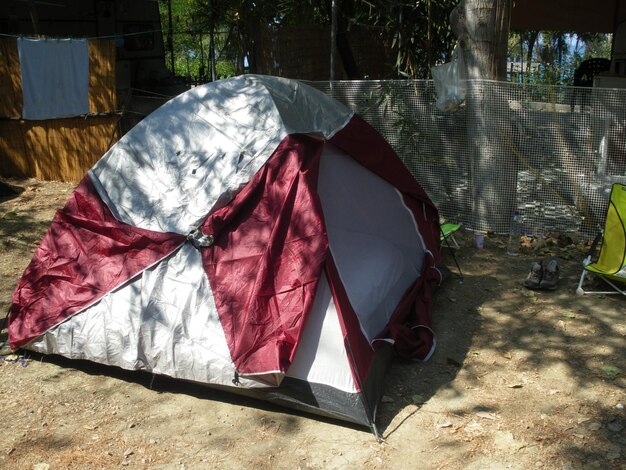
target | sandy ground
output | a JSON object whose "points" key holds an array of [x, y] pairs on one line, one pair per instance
{"points": [[520, 380]]}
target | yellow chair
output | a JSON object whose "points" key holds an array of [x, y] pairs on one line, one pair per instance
{"points": [[611, 263]]}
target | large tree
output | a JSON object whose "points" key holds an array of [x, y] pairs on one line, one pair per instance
{"points": [[482, 28]]}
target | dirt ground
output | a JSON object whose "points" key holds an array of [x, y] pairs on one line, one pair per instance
{"points": [[520, 380]]}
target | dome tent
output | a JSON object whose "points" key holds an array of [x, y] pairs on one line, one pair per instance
{"points": [[251, 234]]}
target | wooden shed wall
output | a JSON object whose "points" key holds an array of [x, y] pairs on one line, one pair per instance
{"points": [[57, 149]]}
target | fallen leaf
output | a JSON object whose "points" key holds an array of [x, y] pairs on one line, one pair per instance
{"points": [[595, 426], [611, 371], [486, 415], [417, 399], [9, 215], [473, 426]]}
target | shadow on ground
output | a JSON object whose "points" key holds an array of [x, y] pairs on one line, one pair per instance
{"points": [[533, 376], [543, 369]]}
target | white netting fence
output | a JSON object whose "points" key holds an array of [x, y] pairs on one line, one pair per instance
{"points": [[549, 152]]}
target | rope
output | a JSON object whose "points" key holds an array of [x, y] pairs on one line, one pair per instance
{"points": [[114, 36]]}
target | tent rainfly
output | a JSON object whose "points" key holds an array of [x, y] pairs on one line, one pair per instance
{"points": [[251, 234]]}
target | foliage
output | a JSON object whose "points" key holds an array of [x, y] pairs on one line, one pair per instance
{"points": [[193, 24], [552, 57], [419, 31]]}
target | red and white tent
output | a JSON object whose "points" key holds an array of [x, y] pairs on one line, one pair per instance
{"points": [[251, 234]]}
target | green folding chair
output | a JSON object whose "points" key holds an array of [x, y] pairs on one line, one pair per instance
{"points": [[447, 231], [610, 265]]}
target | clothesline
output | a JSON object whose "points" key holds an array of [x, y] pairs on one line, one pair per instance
{"points": [[112, 36], [15, 36]]}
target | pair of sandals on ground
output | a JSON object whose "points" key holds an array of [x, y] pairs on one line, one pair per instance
{"points": [[542, 275]]}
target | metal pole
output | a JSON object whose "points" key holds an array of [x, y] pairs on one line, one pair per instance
{"points": [[333, 41], [170, 35], [212, 41]]}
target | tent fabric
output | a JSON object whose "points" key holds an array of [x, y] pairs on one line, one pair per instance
{"points": [[193, 154], [163, 320], [409, 326], [321, 356], [292, 265], [270, 246], [85, 254], [174, 329], [55, 77], [371, 150]]}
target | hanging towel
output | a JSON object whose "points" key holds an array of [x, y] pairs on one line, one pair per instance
{"points": [[55, 77]]}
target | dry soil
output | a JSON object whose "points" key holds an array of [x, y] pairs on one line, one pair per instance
{"points": [[520, 380]]}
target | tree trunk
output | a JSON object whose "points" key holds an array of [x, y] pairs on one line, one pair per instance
{"points": [[482, 28], [342, 40], [532, 40]]}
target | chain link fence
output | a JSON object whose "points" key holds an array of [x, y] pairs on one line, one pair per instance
{"points": [[551, 153]]}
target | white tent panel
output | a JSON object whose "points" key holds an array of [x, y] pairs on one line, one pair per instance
{"points": [[372, 235], [163, 321], [197, 150], [321, 356]]}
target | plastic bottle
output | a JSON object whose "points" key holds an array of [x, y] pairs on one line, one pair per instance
{"points": [[515, 235]]}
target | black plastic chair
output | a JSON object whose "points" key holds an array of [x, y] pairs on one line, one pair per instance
{"points": [[583, 77], [588, 69]]}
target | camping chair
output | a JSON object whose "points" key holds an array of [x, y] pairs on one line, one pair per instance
{"points": [[611, 263], [584, 76], [447, 231], [588, 69]]}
